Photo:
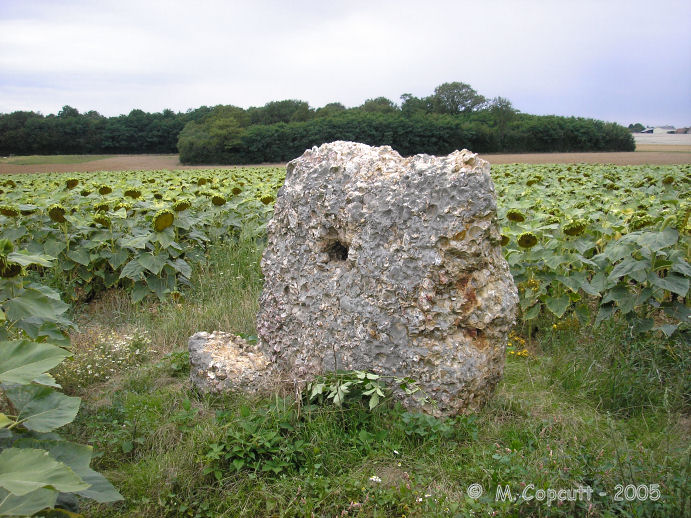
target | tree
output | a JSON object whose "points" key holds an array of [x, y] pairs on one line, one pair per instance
{"points": [[68, 111], [411, 105], [636, 128], [289, 110], [379, 105], [329, 110], [455, 98], [502, 112]]}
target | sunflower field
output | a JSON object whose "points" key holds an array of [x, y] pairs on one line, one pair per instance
{"points": [[142, 231], [583, 241]]}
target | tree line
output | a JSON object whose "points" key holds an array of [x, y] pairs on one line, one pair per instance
{"points": [[453, 117]]}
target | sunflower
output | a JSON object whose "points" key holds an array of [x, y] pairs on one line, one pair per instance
{"points": [[236, 191], [640, 220], [504, 240], [163, 219], [218, 200], [102, 220], [668, 180], [527, 240], [104, 189], [181, 206], [133, 193], [71, 183], [8, 211], [515, 215], [85, 192], [57, 213], [267, 199], [9, 270], [574, 227]]}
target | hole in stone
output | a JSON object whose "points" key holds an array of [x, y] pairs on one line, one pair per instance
{"points": [[337, 250]]}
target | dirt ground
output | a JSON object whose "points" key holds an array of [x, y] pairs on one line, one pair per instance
{"points": [[653, 154]]}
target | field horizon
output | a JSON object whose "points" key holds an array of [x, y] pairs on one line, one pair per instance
{"points": [[654, 153]]}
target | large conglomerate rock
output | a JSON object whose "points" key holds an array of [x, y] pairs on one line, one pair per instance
{"points": [[388, 264]]}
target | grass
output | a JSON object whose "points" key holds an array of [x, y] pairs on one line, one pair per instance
{"points": [[584, 406], [51, 159]]}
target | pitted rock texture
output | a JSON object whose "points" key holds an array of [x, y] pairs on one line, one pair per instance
{"points": [[220, 362], [388, 264]]}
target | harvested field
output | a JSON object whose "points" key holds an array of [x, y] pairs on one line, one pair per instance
{"points": [[662, 155]]}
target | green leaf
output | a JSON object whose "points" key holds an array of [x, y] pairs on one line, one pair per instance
{"points": [[47, 380], [373, 401], [658, 240], [80, 256], [617, 293], [118, 258], [42, 409], [626, 267], [627, 304], [605, 313], [673, 282], [583, 245], [139, 291], [153, 263], [598, 282], [573, 281], [181, 266], [28, 504], [137, 241], [643, 325], [132, 270], [583, 313], [23, 361], [52, 333], [158, 286], [5, 421], [13, 234], [668, 329], [166, 238], [78, 458], [36, 304], [317, 389], [532, 313], [558, 305], [555, 261], [678, 311], [682, 267], [53, 247], [25, 470], [25, 259]]}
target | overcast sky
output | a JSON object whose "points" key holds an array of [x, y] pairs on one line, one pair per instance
{"points": [[625, 61]]}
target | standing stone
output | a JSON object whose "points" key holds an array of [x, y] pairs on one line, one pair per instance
{"points": [[388, 264]]}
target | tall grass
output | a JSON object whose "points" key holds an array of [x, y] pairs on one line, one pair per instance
{"points": [[587, 406]]}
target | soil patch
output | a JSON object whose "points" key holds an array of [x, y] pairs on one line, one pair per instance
{"points": [[667, 155]]}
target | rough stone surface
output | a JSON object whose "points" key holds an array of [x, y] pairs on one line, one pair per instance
{"points": [[220, 362], [388, 264]]}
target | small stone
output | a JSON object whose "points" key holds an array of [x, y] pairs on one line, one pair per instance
{"points": [[222, 362]]}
